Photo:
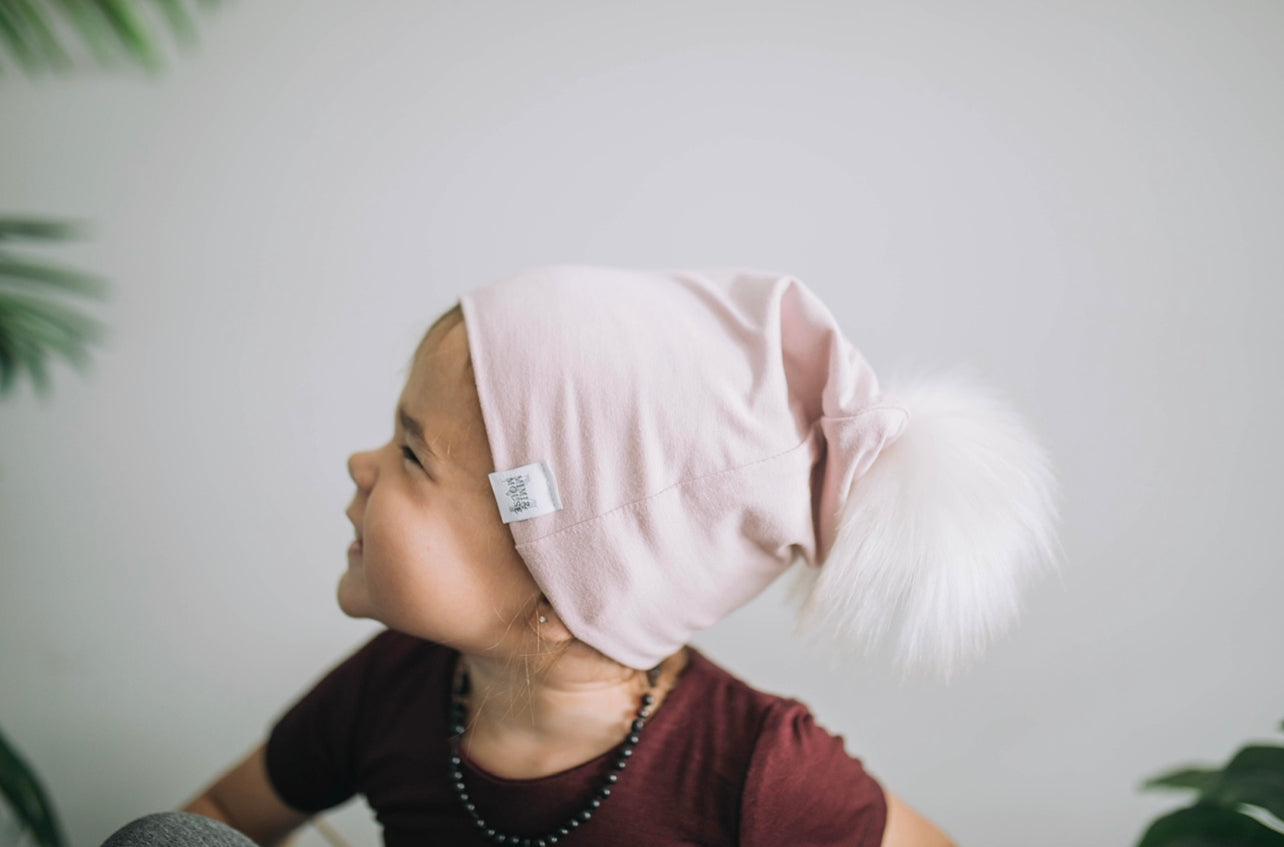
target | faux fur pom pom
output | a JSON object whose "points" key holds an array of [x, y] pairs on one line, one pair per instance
{"points": [[940, 534]]}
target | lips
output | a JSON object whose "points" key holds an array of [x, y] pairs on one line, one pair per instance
{"points": [[354, 550]]}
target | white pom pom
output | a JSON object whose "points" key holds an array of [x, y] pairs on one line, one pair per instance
{"points": [[940, 534]]}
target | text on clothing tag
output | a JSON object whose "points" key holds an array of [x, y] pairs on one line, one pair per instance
{"points": [[526, 492]]}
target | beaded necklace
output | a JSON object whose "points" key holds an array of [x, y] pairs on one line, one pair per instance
{"points": [[455, 731]]}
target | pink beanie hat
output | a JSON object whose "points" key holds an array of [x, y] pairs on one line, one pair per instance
{"points": [[668, 442]]}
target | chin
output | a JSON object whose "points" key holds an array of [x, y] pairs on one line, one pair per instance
{"points": [[352, 599]]}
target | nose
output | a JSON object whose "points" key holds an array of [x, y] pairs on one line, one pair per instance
{"points": [[361, 468]]}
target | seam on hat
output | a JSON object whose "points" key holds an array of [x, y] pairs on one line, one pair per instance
{"points": [[581, 525], [889, 407]]}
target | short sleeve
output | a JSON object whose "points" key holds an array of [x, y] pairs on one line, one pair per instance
{"points": [[311, 750], [803, 788]]}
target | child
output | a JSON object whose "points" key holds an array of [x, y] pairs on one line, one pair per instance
{"points": [[588, 465]]}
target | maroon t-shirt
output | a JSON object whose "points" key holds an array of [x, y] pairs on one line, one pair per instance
{"points": [[719, 763]]}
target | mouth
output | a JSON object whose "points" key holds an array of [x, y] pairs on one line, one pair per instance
{"points": [[355, 548]]}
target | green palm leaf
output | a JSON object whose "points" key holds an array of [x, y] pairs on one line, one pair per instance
{"points": [[14, 271], [30, 30], [20, 787], [34, 228], [15, 36], [34, 324]]}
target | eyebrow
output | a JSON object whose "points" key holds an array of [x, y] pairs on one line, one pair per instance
{"points": [[415, 429]]}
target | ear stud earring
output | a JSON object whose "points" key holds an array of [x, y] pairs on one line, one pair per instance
{"points": [[543, 619]]}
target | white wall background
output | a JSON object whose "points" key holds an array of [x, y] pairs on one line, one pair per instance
{"points": [[1082, 199]]}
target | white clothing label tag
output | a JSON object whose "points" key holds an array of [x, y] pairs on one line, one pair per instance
{"points": [[526, 492]]}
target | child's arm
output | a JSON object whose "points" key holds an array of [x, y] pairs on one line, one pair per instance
{"points": [[907, 828], [245, 799]]}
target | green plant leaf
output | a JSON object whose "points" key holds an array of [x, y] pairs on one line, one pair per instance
{"points": [[1197, 778], [131, 31], [77, 282], [1259, 756], [93, 29], [45, 228], [1254, 776], [1205, 825], [42, 34], [14, 34], [179, 20], [32, 357], [50, 325], [19, 785], [18, 308], [31, 328], [111, 28], [8, 361], [34, 327]]}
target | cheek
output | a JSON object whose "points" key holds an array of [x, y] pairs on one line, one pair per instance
{"points": [[393, 560], [412, 571]]}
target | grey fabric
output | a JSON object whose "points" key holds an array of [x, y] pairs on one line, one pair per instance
{"points": [[163, 829]]}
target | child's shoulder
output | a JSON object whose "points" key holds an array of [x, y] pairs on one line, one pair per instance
{"points": [[743, 712], [799, 783], [717, 681]]}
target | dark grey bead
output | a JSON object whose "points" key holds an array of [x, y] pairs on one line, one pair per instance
{"points": [[633, 739], [612, 777], [595, 803], [638, 723], [585, 815]]}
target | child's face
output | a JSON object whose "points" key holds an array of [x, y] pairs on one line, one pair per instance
{"points": [[435, 560]]}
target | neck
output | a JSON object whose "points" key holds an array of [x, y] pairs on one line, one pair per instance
{"points": [[522, 724]]}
